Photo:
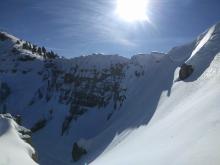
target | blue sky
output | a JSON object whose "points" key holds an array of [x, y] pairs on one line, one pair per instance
{"points": [[78, 27]]}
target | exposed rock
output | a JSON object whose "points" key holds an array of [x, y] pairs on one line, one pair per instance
{"points": [[185, 71], [4, 91], [77, 152], [34, 157], [26, 58], [39, 125], [18, 119], [25, 134]]}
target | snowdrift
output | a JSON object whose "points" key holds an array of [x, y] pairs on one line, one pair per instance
{"points": [[13, 150]]}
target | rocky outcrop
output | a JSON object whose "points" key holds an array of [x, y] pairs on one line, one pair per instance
{"points": [[81, 88], [4, 91], [16, 134], [39, 125], [185, 71], [77, 152]]}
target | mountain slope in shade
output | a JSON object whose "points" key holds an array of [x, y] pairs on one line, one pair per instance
{"points": [[122, 111]]}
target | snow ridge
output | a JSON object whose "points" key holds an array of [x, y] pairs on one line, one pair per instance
{"points": [[13, 149], [204, 40]]}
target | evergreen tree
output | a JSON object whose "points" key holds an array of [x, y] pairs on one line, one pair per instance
{"points": [[25, 45], [44, 50], [39, 51], [51, 55], [47, 54], [17, 42], [29, 46], [34, 49]]}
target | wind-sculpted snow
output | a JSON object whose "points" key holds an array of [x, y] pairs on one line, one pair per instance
{"points": [[119, 110], [203, 41], [203, 56], [13, 150]]}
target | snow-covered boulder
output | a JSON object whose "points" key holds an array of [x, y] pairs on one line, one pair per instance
{"points": [[13, 149]]}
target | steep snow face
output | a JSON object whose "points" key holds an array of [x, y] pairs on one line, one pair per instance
{"points": [[122, 111], [183, 130], [13, 150], [206, 50], [203, 40], [184, 127]]}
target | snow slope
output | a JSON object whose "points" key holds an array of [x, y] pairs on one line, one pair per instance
{"points": [[13, 150], [203, 40], [160, 120], [184, 127], [183, 130]]}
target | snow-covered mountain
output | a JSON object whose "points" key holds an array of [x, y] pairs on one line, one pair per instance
{"points": [[110, 110]]}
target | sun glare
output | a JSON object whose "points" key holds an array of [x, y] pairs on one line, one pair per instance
{"points": [[132, 10]]}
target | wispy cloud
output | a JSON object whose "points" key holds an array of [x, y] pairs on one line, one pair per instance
{"points": [[87, 21]]}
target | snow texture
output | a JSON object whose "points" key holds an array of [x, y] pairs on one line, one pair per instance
{"points": [[13, 150]]}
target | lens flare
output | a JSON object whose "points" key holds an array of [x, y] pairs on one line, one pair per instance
{"points": [[132, 10]]}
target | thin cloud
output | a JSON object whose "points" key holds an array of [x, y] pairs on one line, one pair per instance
{"points": [[81, 20]]}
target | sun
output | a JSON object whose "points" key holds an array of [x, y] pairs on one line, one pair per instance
{"points": [[132, 10]]}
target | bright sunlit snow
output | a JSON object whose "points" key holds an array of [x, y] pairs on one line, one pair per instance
{"points": [[13, 150]]}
